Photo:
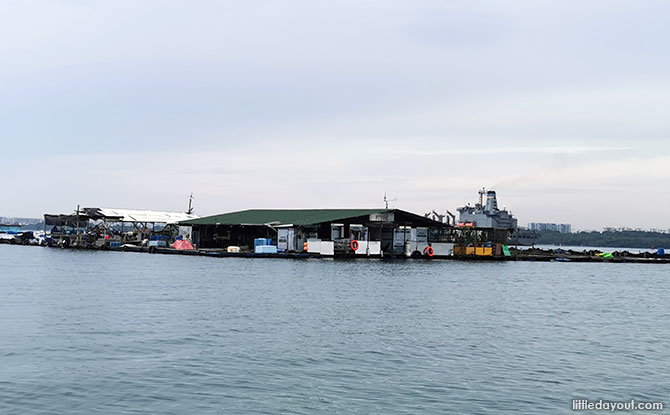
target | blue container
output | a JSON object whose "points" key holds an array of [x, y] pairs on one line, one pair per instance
{"points": [[115, 244], [265, 249], [261, 242], [661, 251]]}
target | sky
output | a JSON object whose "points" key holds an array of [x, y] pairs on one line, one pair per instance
{"points": [[562, 107]]}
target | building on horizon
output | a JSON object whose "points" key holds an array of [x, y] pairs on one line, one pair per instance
{"points": [[545, 226]]}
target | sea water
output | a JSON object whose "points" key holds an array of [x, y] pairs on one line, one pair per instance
{"points": [[108, 332]]}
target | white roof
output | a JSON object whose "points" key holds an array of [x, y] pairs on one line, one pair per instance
{"points": [[134, 215]]}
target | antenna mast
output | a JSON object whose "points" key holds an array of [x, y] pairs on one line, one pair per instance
{"points": [[387, 200], [190, 204]]}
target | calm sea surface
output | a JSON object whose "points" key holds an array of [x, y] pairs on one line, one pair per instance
{"points": [[106, 332]]}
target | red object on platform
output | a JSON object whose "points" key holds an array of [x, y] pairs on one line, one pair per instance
{"points": [[182, 244]]}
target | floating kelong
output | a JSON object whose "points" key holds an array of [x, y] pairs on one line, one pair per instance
{"points": [[482, 232], [325, 232]]}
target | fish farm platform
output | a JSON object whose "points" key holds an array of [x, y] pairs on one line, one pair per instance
{"points": [[536, 255]]}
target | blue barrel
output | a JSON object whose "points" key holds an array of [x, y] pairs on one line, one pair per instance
{"points": [[661, 251]]}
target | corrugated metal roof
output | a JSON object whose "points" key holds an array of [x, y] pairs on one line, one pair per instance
{"points": [[282, 216], [134, 215]]}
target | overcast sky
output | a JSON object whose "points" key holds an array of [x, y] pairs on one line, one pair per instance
{"points": [[562, 107]]}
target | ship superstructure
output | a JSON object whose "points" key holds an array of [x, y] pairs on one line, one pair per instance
{"points": [[486, 214]]}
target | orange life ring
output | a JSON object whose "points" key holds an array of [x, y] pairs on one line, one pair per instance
{"points": [[354, 245], [429, 251]]}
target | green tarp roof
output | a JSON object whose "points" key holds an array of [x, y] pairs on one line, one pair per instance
{"points": [[282, 216]]}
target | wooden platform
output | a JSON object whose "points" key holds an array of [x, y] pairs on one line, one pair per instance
{"points": [[517, 255]]}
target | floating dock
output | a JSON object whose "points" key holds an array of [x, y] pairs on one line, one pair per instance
{"points": [[533, 255], [481, 234]]}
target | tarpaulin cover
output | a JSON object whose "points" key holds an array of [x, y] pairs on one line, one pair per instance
{"points": [[182, 244], [134, 215], [66, 220]]}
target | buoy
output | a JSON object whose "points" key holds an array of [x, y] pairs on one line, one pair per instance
{"points": [[354, 245], [429, 251]]}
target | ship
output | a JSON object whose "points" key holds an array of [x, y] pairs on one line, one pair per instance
{"points": [[486, 214]]}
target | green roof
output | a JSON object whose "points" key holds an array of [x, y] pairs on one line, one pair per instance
{"points": [[282, 216]]}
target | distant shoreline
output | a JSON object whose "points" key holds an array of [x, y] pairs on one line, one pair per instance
{"points": [[610, 239]]}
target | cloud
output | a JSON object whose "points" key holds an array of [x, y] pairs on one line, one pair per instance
{"points": [[308, 104]]}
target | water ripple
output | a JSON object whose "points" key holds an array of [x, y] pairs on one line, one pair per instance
{"points": [[106, 332]]}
